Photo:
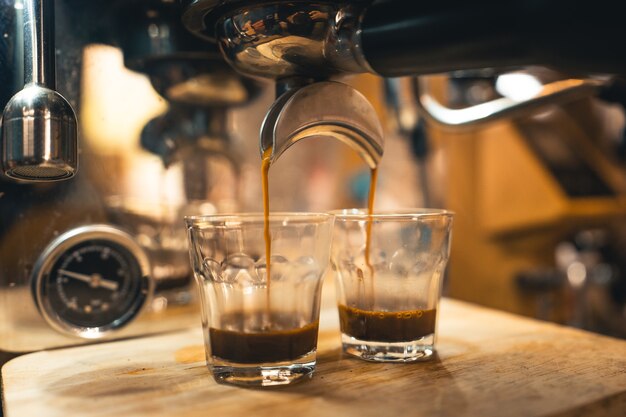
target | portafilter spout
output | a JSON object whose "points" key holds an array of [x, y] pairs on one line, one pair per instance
{"points": [[323, 109], [39, 134]]}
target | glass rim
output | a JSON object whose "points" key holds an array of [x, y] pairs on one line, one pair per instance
{"points": [[401, 214], [223, 219]]}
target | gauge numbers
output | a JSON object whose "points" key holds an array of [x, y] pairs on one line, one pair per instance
{"points": [[91, 281]]}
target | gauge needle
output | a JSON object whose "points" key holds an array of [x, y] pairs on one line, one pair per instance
{"points": [[95, 280]]}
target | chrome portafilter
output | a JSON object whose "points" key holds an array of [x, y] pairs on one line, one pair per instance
{"points": [[39, 129], [297, 43], [282, 39]]}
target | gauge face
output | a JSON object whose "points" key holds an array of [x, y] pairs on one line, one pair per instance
{"points": [[94, 283], [91, 281]]}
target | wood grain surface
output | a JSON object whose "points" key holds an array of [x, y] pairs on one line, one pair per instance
{"points": [[489, 364]]}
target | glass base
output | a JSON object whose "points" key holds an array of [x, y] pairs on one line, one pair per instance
{"points": [[421, 349], [265, 375]]}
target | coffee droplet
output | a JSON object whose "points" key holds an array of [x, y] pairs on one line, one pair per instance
{"points": [[359, 273]]}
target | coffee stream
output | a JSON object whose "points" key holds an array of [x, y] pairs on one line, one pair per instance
{"points": [[368, 230], [265, 169]]}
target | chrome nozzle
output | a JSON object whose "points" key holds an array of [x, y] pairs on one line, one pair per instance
{"points": [[39, 133]]}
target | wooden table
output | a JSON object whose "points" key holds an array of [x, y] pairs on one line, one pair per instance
{"points": [[489, 364]]}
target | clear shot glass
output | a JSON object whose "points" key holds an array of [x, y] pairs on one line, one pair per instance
{"points": [[389, 270], [260, 329]]}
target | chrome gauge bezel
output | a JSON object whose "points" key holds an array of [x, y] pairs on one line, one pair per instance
{"points": [[58, 247]]}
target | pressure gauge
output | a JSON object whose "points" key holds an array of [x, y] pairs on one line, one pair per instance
{"points": [[91, 281]]}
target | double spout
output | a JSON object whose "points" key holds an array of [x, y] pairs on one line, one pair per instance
{"points": [[323, 109]]}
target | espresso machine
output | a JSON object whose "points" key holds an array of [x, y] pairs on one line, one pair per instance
{"points": [[80, 261], [78, 266]]}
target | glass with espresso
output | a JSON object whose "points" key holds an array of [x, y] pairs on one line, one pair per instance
{"points": [[260, 318], [389, 269]]}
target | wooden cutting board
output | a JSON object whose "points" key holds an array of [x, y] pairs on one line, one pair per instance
{"points": [[489, 364]]}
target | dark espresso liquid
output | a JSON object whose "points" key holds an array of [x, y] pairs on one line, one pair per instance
{"points": [[386, 326], [279, 341]]}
